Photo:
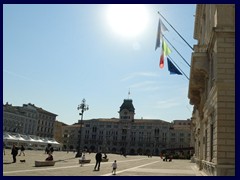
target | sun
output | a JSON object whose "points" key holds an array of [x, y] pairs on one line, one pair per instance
{"points": [[127, 20]]}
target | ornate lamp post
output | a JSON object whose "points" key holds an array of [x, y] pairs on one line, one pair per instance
{"points": [[83, 107]]}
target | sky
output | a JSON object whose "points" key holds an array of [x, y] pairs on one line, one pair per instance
{"points": [[56, 55]]}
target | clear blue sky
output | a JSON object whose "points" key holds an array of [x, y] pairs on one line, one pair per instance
{"points": [[56, 55]]}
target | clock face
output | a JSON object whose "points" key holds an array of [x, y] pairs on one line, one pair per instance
{"points": [[125, 112]]}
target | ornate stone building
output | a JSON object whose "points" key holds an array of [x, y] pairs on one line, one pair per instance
{"points": [[212, 89], [129, 135], [28, 119]]}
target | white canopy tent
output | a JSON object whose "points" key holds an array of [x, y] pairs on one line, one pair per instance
{"points": [[29, 141]]}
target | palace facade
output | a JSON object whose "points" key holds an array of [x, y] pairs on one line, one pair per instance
{"points": [[212, 89], [127, 135]]}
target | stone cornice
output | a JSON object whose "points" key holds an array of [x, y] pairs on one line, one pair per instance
{"points": [[198, 74]]}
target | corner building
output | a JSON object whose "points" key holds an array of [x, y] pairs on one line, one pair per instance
{"points": [[212, 89]]}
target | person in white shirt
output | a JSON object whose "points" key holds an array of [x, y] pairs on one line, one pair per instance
{"points": [[114, 166], [83, 159]]}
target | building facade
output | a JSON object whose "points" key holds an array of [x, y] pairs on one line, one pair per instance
{"points": [[28, 119], [58, 131], [127, 135], [212, 89], [70, 137]]}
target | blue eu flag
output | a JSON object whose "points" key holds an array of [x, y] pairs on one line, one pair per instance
{"points": [[173, 69]]}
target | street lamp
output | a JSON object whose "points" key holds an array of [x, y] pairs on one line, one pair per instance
{"points": [[83, 107]]}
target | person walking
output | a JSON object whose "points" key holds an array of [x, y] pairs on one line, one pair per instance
{"points": [[14, 152], [3, 148], [98, 158], [83, 159], [114, 166], [22, 151]]}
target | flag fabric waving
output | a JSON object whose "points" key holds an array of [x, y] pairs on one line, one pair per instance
{"points": [[165, 52], [172, 69], [161, 28]]}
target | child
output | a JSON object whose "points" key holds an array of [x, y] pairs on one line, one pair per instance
{"points": [[83, 159], [114, 166]]}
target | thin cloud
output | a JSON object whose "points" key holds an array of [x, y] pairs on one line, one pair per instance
{"points": [[142, 84], [16, 75], [139, 74], [165, 104], [146, 86]]}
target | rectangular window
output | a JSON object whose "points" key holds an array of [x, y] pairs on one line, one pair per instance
{"points": [[211, 142], [206, 144]]}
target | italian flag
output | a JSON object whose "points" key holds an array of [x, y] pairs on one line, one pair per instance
{"points": [[165, 52]]}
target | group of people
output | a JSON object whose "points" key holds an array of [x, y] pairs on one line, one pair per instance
{"points": [[49, 150], [98, 158], [14, 152], [166, 157]]}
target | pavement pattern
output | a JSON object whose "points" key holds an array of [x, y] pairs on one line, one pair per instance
{"points": [[67, 165]]}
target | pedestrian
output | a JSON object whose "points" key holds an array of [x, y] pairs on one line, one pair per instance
{"points": [[14, 152], [3, 148], [170, 158], [114, 166], [47, 150], [161, 155], [51, 149], [22, 151], [98, 158], [83, 159]]}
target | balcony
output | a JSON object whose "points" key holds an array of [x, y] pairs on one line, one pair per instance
{"points": [[198, 74]]}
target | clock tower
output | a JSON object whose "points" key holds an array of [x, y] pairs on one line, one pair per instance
{"points": [[127, 110]]}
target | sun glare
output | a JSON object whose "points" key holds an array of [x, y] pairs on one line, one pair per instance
{"points": [[128, 20]]}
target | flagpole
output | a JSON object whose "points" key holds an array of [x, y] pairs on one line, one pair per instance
{"points": [[175, 31], [177, 51], [128, 93], [178, 67]]}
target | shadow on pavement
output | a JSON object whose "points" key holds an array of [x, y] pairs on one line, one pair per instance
{"points": [[7, 162]]}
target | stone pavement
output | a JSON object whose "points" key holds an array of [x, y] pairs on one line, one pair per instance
{"points": [[67, 165]]}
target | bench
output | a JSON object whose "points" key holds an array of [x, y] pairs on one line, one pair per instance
{"points": [[104, 160], [84, 161], [44, 163]]}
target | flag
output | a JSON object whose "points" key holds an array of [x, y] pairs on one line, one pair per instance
{"points": [[165, 48], [173, 69], [165, 52], [161, 28], [161, 64]]}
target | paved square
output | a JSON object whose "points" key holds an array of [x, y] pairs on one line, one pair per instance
{"points": [[67, 165]]}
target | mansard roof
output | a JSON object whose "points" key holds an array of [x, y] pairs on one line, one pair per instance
{"points": [[127, 104]]}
